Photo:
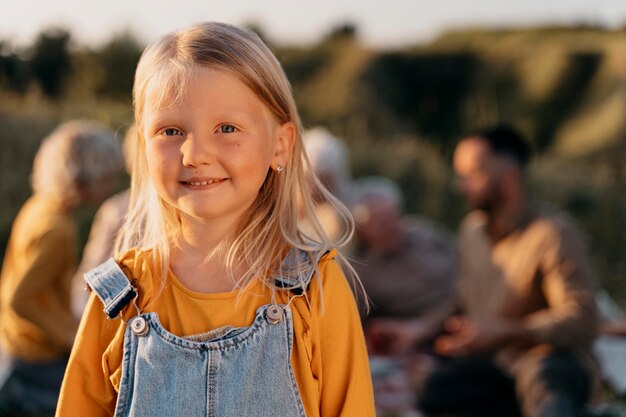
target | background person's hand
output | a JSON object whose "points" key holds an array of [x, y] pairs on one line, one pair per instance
{"points": [[395, 336], [467, 337]]}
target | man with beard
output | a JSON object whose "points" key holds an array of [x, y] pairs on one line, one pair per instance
{"points": [[521, 343]]}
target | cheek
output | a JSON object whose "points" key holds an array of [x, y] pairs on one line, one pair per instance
{"points": [[154, 164], [478, 184], [252, 163], [162, 171], [160, 159]]}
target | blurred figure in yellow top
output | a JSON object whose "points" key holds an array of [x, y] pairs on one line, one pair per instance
{"points": [[104, 230], [76, 165]]}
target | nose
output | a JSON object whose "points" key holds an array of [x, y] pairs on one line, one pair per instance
{"points": [[196, 150]]}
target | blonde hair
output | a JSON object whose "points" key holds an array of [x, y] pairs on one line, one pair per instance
{"points": [[128, 147], [77, 155], [270, 227]]}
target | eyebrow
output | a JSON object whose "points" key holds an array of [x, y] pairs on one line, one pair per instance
{"points": [[153, 124]]}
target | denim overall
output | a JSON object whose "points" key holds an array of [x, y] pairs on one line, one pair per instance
{"points": [[229, 371]]}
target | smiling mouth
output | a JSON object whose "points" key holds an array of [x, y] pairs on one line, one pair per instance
{"points": [[202, 183]]}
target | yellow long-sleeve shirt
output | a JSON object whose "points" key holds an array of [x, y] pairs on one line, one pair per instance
{"points": [[329, 358], [36, 321]]}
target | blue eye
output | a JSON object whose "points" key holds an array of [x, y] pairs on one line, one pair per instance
{"points": [[227, 129], [170, 131]]}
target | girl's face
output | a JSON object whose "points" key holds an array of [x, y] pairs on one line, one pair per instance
{"points": [[209, 153]]}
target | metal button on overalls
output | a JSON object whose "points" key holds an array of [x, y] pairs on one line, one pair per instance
{"points": [[274, 314], [139, 326]]}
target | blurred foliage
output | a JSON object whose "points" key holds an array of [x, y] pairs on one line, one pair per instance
{"points": [[400, 111], [117, 61], [14, 71], [50, 62], [425, 90]]}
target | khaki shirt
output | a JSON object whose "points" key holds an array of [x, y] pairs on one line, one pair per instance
{"points": [[538, 274]]}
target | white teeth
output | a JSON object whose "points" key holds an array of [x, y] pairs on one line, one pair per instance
{"points": [[200, 183]]}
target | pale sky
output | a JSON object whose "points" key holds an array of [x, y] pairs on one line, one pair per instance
{"points": [[380, 22]]}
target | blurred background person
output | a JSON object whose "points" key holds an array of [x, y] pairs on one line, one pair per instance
{"points": [[526, 293], [407, 266], [329, 161], [106, 223], [76, 165]]}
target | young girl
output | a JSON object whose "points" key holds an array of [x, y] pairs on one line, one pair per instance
{"points": [[223, 307]]}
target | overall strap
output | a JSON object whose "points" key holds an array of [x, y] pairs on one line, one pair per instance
{"points": [[111, 286], [297, 270]]}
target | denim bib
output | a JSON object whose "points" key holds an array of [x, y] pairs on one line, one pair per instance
{"points": [[229, 371]]}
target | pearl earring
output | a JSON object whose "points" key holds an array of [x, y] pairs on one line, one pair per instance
{"points": [[279, 168]]}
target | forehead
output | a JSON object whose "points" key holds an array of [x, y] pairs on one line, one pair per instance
{"points": [[472, 153], [167, 85], [213, 88]]}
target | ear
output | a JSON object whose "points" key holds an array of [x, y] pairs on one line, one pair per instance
{"points": [[283, 146]]}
